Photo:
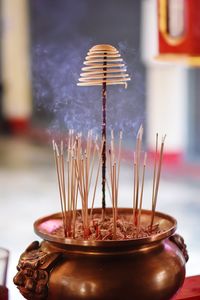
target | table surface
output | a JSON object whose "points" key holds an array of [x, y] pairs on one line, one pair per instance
{"points": [[190, 289]]}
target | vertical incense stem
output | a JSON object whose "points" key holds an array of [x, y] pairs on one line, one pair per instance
{"points": [[154, 172], [56, 156], [114, 202], [137, 170], [119, 162], [104, 138], [134, 187], [157, 180], [109, 192], [142, 189], [62, 176], [93, 162], [97, 175]]}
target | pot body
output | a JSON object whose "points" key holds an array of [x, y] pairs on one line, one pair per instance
{"points": [[154, 271], [143, 269], [148, 272]]}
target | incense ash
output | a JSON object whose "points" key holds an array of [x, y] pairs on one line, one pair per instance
{"points": [[103, 230]]}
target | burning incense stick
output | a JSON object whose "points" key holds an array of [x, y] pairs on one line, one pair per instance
{"points": [[157, 181], [114, 178], [80, 168], [104, 66], [141, 192], [93, 160], [104, 137], [114, 201], [154, 172], [134, 186], [137, 173], [68, 209], [97, 175], [81, 172], [119, 161], [57, 162]]}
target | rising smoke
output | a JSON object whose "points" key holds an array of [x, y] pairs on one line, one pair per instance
{"points": [[57, 58]]}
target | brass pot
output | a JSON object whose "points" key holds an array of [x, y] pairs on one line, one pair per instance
{"points": [[141, 269]]}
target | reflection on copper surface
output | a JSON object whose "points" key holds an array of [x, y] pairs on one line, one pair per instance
{"points": [[51, 225]]}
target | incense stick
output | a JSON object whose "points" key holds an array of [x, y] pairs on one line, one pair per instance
{"points": [[75, 179], [119, 163], [114, 201], [157, 180], [137, 172], [142, 189], [97, 175], [154, 173], [104, 94], [57, 156]]}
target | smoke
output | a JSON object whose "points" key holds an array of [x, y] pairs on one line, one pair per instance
{"points": [[56, 67], [55, 74]]}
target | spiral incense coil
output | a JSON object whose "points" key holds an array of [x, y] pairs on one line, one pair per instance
{"points": [[103, 64]]}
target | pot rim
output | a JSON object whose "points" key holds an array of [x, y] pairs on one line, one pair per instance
{"points": [[162, 218]]}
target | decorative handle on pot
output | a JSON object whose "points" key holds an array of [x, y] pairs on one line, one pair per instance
{"points": [[34, 267], [179, 241]]}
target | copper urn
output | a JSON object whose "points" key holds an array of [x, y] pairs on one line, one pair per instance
{"points": [[142, 269]]}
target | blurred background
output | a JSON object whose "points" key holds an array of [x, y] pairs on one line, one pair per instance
{"points": [[43, 44]]}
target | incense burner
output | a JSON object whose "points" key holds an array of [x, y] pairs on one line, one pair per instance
{"points": [[145, 268]]}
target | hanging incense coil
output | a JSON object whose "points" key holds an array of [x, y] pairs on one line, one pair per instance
{"points": [[103, 64]]}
